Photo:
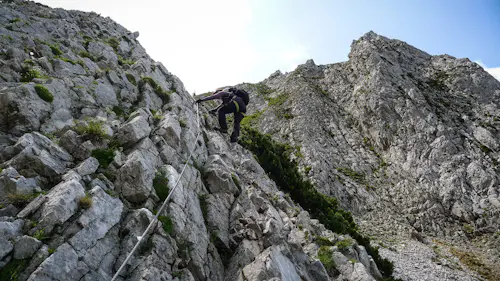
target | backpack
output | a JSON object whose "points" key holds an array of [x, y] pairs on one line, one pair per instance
{"points": [[243, 95]]}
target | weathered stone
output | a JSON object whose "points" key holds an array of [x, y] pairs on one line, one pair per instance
{"points": [[134, 130], [62, 202], [63, 264], [5, 247], [103, 214], [135, 177], [26, 247], [87, 167]]}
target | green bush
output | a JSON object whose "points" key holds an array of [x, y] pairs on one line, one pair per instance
{"points": [[160, 184], [44, 93], [325, 256], [113, 43], [273, 157], [28, 74], [131, 79], [85, 202], [55, 50], [12, 269], [104, 156], [168, 226], [93, 128]]}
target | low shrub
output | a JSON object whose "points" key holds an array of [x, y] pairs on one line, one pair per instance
{"points": [[160, 184], [44, 93], [274, 158], [85, 202]]}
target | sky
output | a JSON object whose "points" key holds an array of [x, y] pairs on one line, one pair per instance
{"points": [[209, 44]]}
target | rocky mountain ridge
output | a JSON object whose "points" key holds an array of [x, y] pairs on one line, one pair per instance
{"points": [[94, 134], [405, 140]]}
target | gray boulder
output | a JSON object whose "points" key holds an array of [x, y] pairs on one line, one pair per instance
{"points": [[62, 202], [134, 130], [26, 247], [87, 167]]}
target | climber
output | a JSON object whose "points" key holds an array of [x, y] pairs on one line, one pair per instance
{"points": [[233, 101]]}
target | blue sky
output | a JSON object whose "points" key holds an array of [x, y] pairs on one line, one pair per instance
{"points": [[223, 42]]}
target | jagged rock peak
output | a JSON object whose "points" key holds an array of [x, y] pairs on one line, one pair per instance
{"points": [[93, 136]]}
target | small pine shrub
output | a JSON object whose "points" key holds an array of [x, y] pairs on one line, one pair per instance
{"points": [[131, 79], [168, 226], [44, 93], [325, 255], [113, 43], [85, 202], [160, 184], [104, 156], [55, 50], [182, 123], [118, 110], [85, 54]]}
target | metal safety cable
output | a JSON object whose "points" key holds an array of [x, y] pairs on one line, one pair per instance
{"points": [[164, 202]]}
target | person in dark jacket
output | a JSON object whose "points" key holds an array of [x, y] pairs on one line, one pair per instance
{"points": [[231, 103]]}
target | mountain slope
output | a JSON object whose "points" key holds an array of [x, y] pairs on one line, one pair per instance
{"points": [[93, 136], [405, 140]]}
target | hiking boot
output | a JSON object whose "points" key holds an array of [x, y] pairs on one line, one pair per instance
{"points": [[224, 131]]}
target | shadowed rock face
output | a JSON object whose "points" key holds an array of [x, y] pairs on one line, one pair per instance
{"points": [[93, 133], [405, 140]]}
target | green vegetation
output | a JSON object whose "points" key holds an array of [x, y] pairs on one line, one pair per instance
{"points": [[274, 159], [85, 202], [131, 79], [20, 200], [165, 96], [91, 128], [307, 169], [473, 262], [325, 255], [44, 93], [468, 228], [51, 251], [278, 100], [118, 110], [182, 123], [160, 184], [358, 177], [104, 156], [262, 89], [55, 49], [168, 226], [203, 205], [344, 244], [484, 148], [123, 61], [113, 43], [251, 120], [15, 20], [236, 181], [39, 235], [28, 74], [323, 241], [11, 270], [86, 54]]}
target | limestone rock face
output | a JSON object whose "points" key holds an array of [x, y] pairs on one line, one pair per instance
{"points": [[94, 135], [405, 140]]}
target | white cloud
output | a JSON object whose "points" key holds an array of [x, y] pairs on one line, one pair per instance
{"points": [[207, 44], [493, 71]]}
